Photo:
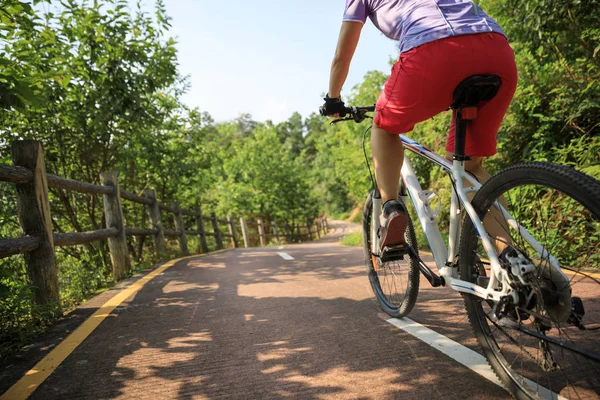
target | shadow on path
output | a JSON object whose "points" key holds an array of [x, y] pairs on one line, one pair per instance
{"points": [[247, 324]]}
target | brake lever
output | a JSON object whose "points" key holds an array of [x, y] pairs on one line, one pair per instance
{"points": [[360, 118], [335, 121]]}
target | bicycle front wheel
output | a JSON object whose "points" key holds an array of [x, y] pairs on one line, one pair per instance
{"points": [[548, 344], [395, 283]]}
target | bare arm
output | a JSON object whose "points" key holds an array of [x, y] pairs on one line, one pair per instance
{"points": [[348, 39]]}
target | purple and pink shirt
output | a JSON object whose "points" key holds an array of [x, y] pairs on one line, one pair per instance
{"points": [[416, 22]]}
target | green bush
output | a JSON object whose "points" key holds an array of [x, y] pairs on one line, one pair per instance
{"points": [[20, 318], [340, 216], [353, 239]]}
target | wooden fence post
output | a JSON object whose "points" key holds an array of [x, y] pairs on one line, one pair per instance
{"points": [[119, 254], [317, 229], [261, 231], [288, 233], [202, 233], [275, 232], [215, 224], [35, 220], [180, 226], [232, 231], [326, 224], [159, 238], [309, 231], [244, 232]]}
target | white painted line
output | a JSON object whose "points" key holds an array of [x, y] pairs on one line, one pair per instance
{"points": [[286, 256], [280, 248], [467, 357], [449, 347]]}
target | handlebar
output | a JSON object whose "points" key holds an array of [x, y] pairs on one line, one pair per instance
{"points": [[356, 114]]}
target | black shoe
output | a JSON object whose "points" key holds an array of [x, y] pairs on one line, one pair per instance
{"points": [[393, 222]]}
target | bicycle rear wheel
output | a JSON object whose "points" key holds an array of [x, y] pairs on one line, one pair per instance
{"points": [[549, 343], [395, 283]]}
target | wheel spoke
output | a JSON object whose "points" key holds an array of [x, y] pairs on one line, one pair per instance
{"points": [[547, 327], [395, 283]]}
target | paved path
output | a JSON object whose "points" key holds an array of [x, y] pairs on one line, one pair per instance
{"points": [[247, 323]]}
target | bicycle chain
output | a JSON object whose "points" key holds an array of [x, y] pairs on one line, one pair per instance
{"points": [[511, 338], [547, 364]]}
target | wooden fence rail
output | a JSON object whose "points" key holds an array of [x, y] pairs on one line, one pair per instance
{"points": [[265, 233], [38, 243], [77, 238], [22, 245], [68, 184], [135, 198]]}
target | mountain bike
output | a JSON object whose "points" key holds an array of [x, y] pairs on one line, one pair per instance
{"points": [[532, 289]]}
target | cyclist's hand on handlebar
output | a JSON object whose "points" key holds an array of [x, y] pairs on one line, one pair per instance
{"points": [[333, 107], [336, 108]]}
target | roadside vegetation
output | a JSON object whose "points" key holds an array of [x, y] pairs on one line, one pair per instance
{"points": [[98, 84], [352, 239]]}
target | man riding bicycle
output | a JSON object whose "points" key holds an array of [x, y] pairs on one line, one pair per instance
{"points": [[441, 43]]}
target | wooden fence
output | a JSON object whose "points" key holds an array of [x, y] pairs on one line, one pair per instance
{"points": [[269, 231], [32, 182]]}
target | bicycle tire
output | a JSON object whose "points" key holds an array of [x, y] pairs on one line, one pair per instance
{"points": [[512, 358], [398, 304]]}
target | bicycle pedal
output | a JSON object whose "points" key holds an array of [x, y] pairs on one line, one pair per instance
{"points": [[394, 253]]}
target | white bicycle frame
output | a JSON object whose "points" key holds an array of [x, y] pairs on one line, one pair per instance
{"points": [[444, 257]]}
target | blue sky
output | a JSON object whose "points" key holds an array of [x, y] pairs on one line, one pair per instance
{"points": [[268, 58]]}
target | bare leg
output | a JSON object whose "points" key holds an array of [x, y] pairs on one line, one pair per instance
{"points": [[494, 222], [388, 155]]}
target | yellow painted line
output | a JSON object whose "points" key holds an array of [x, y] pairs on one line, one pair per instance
{"points": [[43, 369]]}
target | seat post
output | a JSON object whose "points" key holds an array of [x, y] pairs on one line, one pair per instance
{"points": [[467, 96], [460, 137]]}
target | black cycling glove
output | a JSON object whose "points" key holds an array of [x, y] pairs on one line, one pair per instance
{"points": [[333, 106]]}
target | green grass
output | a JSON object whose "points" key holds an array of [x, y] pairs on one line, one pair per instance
{"points": [[340, 216], [353, 239]]}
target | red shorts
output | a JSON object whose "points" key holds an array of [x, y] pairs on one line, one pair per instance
{"points": [[424, 78]]}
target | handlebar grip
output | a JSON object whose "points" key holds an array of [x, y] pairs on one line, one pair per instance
{"points": [[346, 111]]}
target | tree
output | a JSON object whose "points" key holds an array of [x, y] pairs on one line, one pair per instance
{"points": [[18, 80], [91, 83], [262, 178], [118, 74], [557, 104], [290, 133]]}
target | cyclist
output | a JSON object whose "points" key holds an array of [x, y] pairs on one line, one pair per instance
{"points": [[441, 43]]}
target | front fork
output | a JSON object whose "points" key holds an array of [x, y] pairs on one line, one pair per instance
{"points": [[376, 212]]}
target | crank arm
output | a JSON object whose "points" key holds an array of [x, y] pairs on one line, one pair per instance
{"points": [[431, 276], [393, 253]]}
